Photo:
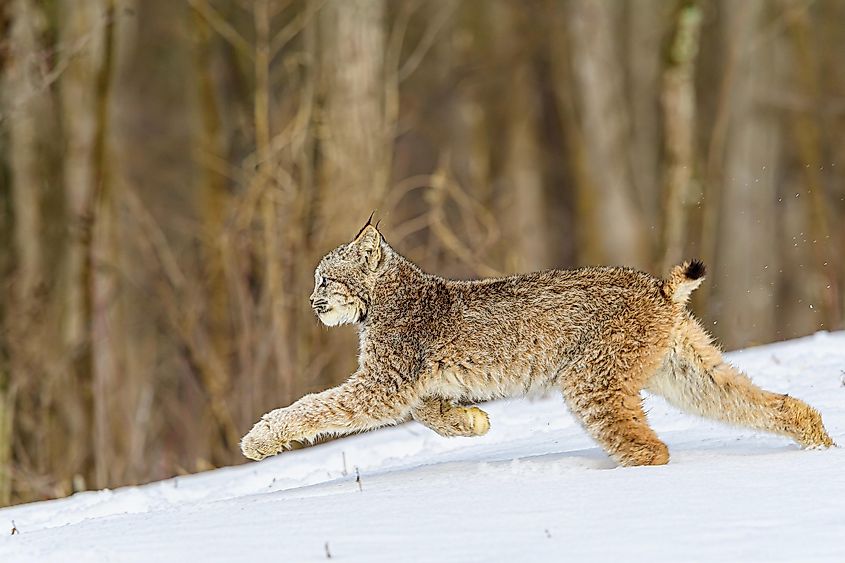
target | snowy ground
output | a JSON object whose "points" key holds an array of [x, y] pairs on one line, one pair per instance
{"points": [[534, 489]]}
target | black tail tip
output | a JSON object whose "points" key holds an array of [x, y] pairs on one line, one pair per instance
{"points": [[695, 270]]}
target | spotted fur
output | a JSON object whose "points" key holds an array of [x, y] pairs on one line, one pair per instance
{"points": [[429, 346]]}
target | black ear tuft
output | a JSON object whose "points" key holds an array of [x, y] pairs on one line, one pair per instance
{"points": [[695, 270], [367, 224]]}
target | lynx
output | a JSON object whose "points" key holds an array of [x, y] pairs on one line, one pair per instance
{"points": [[430, 347]]}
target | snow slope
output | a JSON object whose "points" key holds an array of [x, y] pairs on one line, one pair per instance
{"points": [[534, 489]]}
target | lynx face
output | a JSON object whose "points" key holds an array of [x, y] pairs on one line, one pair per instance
{"points": [[343, 278], [333, 301]]}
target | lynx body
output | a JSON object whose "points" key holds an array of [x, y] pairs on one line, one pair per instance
{"points": [[430, 346]]}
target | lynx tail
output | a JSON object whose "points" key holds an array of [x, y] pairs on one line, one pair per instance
{"points": [[683, 280]]}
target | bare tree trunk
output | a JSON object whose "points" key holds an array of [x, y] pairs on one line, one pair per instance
{"points": [[747, 261], [26, 110], [106, 342], [646, 23], [523, 210], [7, 417], [808, 136], [678, 103], [269, 166], [7, 396], [613, 217], [27, 105], [214, 200], [90, 285], [352, 130], [352, 133], [80, 126]]}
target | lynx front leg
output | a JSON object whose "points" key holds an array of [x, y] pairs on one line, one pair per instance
{"points": [[362, 403], [449, 419]]}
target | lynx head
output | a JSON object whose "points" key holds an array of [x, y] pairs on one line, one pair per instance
{"points": [[345, 277]]}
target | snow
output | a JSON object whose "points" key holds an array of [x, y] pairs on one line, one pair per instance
{"points": [[535, 488]]}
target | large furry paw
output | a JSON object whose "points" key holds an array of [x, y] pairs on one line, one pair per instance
{"points": [[448, 419], [463, 421], [266, 438], [644, 452], [804, 424], [478, 421]]}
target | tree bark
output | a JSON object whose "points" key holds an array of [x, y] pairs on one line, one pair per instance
{"points": [[678, 104], [646, 24], [523, 213], [808, 137], [612, 217], [745, 279], [351, 132], [78, 103], [26, 109]]}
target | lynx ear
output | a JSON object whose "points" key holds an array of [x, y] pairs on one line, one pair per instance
{"points": [[369, 242]]}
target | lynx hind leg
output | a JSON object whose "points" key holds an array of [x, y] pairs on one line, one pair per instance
{"points": [[695, 378], [449, 419], [615, 419]]}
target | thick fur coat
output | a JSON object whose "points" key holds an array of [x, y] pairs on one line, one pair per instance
{"points": [[430, 346]]}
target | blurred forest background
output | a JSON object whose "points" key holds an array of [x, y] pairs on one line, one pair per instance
{"points": [[171, 171]]}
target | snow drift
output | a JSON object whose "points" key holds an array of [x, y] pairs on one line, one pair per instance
{"points": [[535, 489]]}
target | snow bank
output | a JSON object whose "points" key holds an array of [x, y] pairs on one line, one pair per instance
{"points": [[535, 489]]}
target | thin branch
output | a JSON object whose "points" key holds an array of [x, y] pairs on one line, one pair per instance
{"points": [[440, 189], [222, 27], [424, 46], [296, 25]]}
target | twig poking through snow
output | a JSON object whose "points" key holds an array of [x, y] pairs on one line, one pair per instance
{"points": [[14, 529], [328, 553], [358, 480]]}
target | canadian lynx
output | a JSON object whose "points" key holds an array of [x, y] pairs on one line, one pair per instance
{"points": [[429, 346]]}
